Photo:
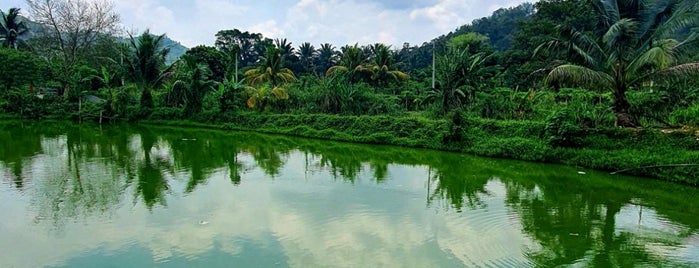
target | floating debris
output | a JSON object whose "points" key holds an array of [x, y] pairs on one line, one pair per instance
{"points": [[581, 172], [203, 222]]}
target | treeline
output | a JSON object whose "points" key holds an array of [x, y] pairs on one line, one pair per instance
{"points": [[572, 63]]}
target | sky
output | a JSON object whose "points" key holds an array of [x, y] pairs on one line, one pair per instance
{"points": [[339, 22]]}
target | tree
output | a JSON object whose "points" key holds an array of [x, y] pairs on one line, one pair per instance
{"points": [[214, 59], [73, 27], [269, 77], [350, 63], [380, 68], [327, 57], [246, 46], [19, 69], [192, 84], [459, 74], [146, 64], [11, 27], [271, 70], [640, 42], [474, 42], [307, 55], [523, 69]]}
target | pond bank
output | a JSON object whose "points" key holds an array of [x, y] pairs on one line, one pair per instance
{"points": [[641, 152]]}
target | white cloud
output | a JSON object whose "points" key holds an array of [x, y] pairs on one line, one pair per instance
{"points": [[338, 22]]}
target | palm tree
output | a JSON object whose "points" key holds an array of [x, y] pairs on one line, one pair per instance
{"points": [[641, 41], [146, 64], [287, 50], [459, 74], [350, 63], [307, 55], [381, 67], [271, 70], [327, 57], [192, 84], [11, 27], [269, 77], [284, 46]]}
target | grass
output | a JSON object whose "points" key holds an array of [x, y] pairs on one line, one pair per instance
{"points": [[601, 149]]}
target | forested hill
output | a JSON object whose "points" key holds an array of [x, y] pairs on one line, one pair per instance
{"points": [[500, 27]]}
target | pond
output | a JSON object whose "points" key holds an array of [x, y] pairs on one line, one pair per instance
{"points": [[143, 196]]}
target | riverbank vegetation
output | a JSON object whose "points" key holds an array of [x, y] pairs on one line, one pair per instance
{"points": [[604, 84]]}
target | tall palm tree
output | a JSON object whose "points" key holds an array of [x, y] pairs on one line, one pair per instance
{"points": [[147, 64], [284, 46], [271, 70], [641, 41], [269, 77], [11, 27], [192, 84], [307, 56], [381, 66], [287, 50], [350, 63], [327, 57]]}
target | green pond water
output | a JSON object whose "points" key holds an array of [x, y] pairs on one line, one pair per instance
{"points": [[142, 196]]}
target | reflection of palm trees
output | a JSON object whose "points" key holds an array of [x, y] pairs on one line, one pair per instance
{"points": [[152, 183], [578, 228], [458, 190]]}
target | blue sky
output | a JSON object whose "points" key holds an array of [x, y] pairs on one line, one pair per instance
{"points": [[340, 22]]}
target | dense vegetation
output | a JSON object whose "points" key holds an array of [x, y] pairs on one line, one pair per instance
{"points": [[548, 81]]}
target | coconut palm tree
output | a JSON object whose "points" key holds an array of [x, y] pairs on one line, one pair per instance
{"points": [[268, 79], [271, 70], [350, 63], [380, 68], [641, 41], [146, 64], [192, 84], [11, 27]]}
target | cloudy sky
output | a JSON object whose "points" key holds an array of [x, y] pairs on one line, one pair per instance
{"points": [[194, 22]]}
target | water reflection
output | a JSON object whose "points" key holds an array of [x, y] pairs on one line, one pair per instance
{"points": [[489, 212]]}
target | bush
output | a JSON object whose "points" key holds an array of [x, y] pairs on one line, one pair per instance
{"points": [[686, 116], [562, 130]]}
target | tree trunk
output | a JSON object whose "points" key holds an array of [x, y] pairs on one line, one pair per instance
{"points": [[623, 117], [146, 98]]}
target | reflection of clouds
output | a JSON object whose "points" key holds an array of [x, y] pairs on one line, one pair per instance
{"points": [[362, 232], [317, 221]]}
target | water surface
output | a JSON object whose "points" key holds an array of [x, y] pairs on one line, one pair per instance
{"points": [[141, 196]]}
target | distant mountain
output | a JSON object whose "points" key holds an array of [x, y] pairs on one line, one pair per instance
{"points": [[176, 50]]}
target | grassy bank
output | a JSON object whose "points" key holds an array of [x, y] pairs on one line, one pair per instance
{"points": [[649, 153]]}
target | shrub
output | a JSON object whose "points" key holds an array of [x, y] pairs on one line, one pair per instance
{"points": [[561, 130]]}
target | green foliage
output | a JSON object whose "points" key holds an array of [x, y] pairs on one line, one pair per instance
{"points": [[473, 42], [562, 131], [20, 69], [641, 42], [146, 63], [455, 126], [460, 75], [28, 105], [686, 116], [11, 28]]}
